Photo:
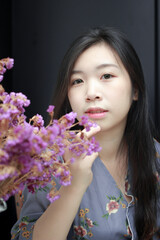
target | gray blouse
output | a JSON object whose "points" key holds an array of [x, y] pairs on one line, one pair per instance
{"points": [[103, 213]]}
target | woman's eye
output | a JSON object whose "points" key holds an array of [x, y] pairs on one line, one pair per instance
{"points": [[77, 81], [106, 76]]}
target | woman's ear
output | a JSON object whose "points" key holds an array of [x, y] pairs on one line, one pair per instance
{"points": [[135, 94]]}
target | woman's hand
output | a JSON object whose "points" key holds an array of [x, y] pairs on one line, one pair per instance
{"points": [[81, 167]]}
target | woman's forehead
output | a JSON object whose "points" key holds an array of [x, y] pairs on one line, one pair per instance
{"points": [[97, 55]]}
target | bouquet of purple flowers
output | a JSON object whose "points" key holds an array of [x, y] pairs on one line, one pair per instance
{"points": [[30, 153]]}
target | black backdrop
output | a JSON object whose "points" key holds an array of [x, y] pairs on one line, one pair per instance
{"points": [[37, 33]]}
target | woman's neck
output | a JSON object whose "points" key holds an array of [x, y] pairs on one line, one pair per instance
{"points": [[114, 155], [110, 143]]}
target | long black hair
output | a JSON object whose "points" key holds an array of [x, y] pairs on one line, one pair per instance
{"points": [[137, 135]]}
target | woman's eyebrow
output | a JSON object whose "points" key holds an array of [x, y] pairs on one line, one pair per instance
{"points": [[76, 71], [106, 65], [97, 67]]}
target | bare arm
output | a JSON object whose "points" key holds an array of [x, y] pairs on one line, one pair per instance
{"points": [[56, 221]]}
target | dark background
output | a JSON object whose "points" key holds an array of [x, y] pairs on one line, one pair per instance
{"points": [[36, 33]]}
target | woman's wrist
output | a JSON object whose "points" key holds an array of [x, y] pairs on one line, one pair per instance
{"points": [[73, 188]]}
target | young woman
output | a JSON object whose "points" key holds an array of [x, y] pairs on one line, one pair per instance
{"points": [[114, 194]]}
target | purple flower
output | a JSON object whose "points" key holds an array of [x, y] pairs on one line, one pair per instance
{"points": [[40, 121], [53, 198], [72, 160], [19, 100], [50, 109], [53, 131], [78, 148], [38, 144], [3, 156], [2, 69], [93, 146], [37, 120], [65, 183], [5, 116], [71, 116], [10, 63], [4, 176], [25, 141], [88, 126], [27, 162], [84, 120], [1, 78]]}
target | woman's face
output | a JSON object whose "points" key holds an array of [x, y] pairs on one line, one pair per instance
{"points": [[101, 88]]}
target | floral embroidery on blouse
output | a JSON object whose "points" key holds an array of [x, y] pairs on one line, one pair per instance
{"points": [[113, 205], [85, 226], [22, 227]]}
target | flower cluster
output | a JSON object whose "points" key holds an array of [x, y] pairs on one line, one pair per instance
{"points": [[30, 153], [86, 225], [5, 63]]}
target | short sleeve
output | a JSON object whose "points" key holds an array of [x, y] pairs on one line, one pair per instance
{"points": [[34, 205]]}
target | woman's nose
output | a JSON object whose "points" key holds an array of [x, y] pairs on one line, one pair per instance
{"points": [[93, 91]]}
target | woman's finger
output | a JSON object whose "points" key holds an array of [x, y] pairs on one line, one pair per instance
{"points": [[91, 132]]}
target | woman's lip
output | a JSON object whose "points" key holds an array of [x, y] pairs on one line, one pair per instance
{"points": [[96, 113], [95, 110]]}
